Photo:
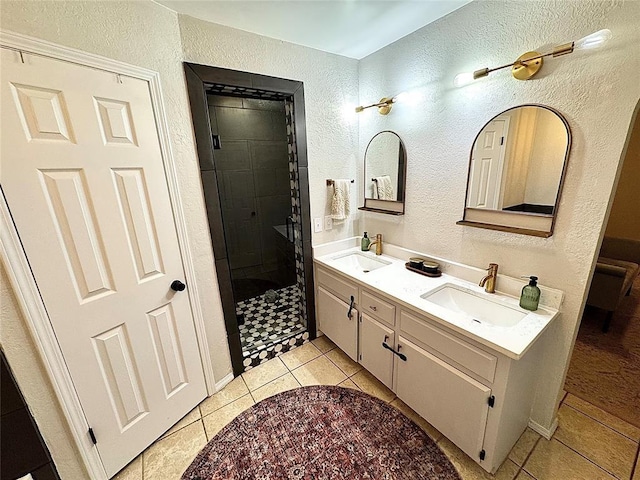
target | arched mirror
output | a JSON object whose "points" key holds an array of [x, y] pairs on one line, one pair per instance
{"points": [[516, 171], [384, 174]]}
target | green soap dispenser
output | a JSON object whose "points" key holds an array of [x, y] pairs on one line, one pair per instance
{"points": [[364, 244], [530, 296]]}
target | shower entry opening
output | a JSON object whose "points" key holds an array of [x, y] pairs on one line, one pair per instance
{"points": [[257, 199]]}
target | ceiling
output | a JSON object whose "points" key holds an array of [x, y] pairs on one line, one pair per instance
{"points": [[353, 28]]}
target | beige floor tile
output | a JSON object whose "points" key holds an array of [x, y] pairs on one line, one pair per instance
{"points": [[349, 384], [281, 384], [524, 446], [524, 476], [300, 355], [613, 452], [470, 470], [188, 419], [215, 421], [233, 391], [323, 344], [133, 471], [421, 422], [169, 458], [320, 371], [552, 460], [600, 415], [343, 362], [263, 374], [370, 384]]}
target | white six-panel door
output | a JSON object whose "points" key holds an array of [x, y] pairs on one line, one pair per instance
{"points": [[82, 173], [486, 167]]}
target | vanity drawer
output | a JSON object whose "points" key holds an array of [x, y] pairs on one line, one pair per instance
{"points": [[338, 287], [378, 308], [475, 360]]}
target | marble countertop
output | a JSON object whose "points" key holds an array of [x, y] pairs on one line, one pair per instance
{"points": [[406, 287]]}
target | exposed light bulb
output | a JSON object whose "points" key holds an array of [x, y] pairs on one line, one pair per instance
{"points": [[593, 41], [463, 79], [401, 97], [407, 98]]}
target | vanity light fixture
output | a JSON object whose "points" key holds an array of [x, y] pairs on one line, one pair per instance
{"points": [[528, 64], [385, 103]]}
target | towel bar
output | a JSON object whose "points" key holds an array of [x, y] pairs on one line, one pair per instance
{"points": [[332, 182]]}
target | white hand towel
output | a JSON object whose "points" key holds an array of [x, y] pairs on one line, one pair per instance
{"points": [[385, 188], [340, 201]]}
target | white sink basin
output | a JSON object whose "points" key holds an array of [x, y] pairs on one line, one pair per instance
{"points": [[481, 309], [360, 262]]}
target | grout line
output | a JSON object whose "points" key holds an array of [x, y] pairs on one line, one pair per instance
{"points": [[564, 397], [636, 467], [586, 458], [338, 366], [602, 422], [203, 428], [526, 459]]}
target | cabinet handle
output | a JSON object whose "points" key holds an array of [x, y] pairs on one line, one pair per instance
{"points": [[402, 356], [373, 308], [351, 307]]}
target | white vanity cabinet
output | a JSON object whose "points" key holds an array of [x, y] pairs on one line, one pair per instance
{"points": [[478, 398], [336, 311], [376, 344], [376, 336]]}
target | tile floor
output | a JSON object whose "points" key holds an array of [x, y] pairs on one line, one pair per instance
{"points": [[589, 444], [265, 323]]}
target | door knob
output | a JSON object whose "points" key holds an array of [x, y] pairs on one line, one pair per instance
{"points": [[177, 286]]}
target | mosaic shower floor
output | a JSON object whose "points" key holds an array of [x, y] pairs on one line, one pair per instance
{"points": [[270, 329]]}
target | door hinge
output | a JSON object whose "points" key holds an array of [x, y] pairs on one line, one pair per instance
{"points": [[92, 436], [492, 401], [482, 454], [216, 142], [360, 357]]}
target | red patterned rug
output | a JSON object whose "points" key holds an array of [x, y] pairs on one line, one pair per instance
{"points": [[321, 433]]}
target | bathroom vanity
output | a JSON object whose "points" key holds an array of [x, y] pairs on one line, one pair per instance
{"points": [[462, 359]]}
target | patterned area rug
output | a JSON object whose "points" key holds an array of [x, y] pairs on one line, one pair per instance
{"points": [[321, 433], [605, 367]]}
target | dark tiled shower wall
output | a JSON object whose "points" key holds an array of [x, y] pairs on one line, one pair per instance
{"points": [[22, 449], [254, 149]]}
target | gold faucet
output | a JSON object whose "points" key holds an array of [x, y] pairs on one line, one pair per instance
{"points": [[378, 243], [490, 279]]}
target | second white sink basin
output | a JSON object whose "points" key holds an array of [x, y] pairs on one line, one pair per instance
{"points": [[479, 308], [360, 262]]}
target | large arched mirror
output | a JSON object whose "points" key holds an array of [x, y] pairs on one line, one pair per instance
{"points": [[384, 174], [516, 171]]}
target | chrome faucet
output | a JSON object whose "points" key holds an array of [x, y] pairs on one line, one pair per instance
{"points": [[490, 279], [378, 243]]}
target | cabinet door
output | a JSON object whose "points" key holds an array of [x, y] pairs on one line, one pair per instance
{"points": [[335, 323], [373, 356], [450, 400]]}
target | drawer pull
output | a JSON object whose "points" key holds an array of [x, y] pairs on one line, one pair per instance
{"points": [[375, 309], [402, 356], [351, 307]]}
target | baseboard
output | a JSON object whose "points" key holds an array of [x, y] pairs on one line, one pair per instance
{"points": [[224, 382], [545, 432]]}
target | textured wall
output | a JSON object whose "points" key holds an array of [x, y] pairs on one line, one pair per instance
{"points": [[330, 83], [595, 93]]}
